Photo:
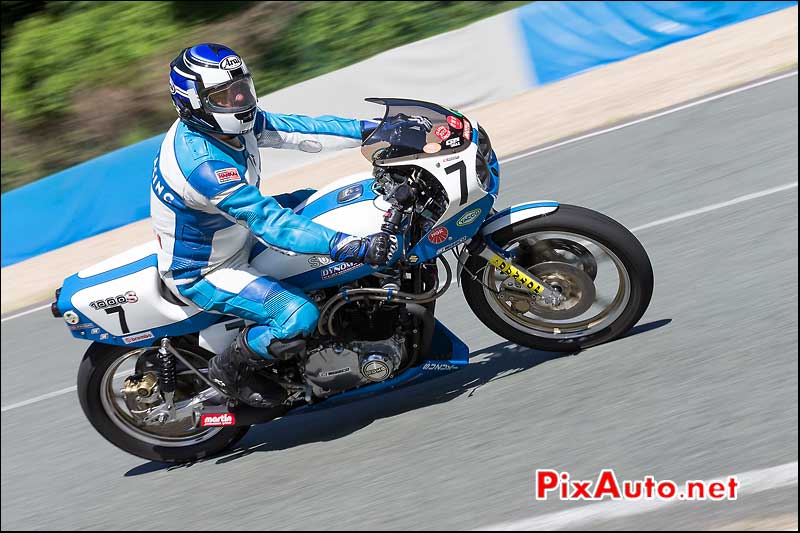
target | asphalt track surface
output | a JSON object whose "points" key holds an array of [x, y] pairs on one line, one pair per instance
{"points": [[705, 386]]}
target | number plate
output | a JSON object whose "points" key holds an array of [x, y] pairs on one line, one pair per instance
{"points": [[513, 272]]}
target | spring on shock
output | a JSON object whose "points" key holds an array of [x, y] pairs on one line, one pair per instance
{"points": [[166, 363]]}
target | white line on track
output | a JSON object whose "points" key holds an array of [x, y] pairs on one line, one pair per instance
{"points": [[651, 117], [751, 482], [38, 398], [29, 311], [680, 216], [714, 207]]}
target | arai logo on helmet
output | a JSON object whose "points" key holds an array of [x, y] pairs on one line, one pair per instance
{"points": [[469, 217], [231, 62]]}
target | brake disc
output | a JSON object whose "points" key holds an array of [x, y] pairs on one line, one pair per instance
{"points": [[574, 284], [557, 250]]}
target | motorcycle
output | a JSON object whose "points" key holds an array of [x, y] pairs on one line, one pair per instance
{"points": [[541, 274]]}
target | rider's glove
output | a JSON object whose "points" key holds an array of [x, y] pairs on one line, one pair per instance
{"points": [[399, 120], [373, 249], [402, 119]]}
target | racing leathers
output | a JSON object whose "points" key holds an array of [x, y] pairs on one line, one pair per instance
{"points": [[208, 214]]}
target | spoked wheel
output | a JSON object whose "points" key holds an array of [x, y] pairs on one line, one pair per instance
{"points": [[600, 269], [118, 389]]}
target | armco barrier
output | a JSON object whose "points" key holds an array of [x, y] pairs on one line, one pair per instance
{"points": [[96, 196], [565, 38], [489, 60]]}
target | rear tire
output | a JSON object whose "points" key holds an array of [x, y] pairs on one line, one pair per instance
{"points": [[96, 362], [581, 221]]}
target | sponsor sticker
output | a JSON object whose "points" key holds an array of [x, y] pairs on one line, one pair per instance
{"points": [[513, 272], [413, 258], [338, 270], [120, 299], [95, 331], [138, 337], [217, 420], [468, 218], [455, 142], [467, 133], [231, 62], [431, 148], [227, 175], [87, 325], [103, 336], [438, 235], [350, 193], [317, 261], [451, 246], [443, 132], [439, 366], [455, 122]]}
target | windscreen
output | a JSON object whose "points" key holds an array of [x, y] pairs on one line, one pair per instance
{"points": [[411, 129]]}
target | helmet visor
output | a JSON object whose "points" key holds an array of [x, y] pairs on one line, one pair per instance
{"points": [[233, 97]]}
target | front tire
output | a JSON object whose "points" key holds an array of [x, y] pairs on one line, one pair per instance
{"points": [[99, 365], [566, 237]]}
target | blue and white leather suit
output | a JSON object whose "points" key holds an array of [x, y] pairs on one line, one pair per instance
{"points": [[208, 214]]}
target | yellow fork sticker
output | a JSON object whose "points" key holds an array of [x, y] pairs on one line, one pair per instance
{"points": [[513, 272]]}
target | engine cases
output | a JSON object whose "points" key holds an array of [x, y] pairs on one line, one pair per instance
{"points": [[337, 368]]}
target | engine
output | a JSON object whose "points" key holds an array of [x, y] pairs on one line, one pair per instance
{"points": [[335, 368]]}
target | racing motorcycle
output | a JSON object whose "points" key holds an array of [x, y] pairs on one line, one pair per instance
{"points": [[541, 274]]}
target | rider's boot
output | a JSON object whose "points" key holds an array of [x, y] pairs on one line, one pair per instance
{"points": [[234, 371]]}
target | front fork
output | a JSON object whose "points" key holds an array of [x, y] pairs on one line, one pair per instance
{"points": [[525, 279], [503, 261]]}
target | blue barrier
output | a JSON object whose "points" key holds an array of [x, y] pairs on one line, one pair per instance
{"points": [[99, 195], [561, 38], [566, 38]]}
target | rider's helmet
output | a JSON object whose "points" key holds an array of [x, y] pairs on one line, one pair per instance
{"points": [[212, 89]]}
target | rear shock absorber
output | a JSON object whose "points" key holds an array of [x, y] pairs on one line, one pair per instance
{"points": [[166, 363]]}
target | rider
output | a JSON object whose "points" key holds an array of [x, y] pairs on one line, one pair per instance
{"points": [[208, 213]]}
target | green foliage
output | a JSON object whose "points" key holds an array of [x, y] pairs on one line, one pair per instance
{"points": [[49, 58]]}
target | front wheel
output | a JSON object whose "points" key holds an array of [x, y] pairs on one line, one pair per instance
{"points": [[122, 411], [599, 267]]}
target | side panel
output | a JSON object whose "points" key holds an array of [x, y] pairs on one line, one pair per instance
{"points": [[446, 235], [124, 305], [129, 304]]}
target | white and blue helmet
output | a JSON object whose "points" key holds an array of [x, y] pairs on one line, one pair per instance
{"points": [[212, 89]]}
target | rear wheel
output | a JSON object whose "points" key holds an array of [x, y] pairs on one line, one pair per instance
{"points": [[597, 265], [126, 412]]}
